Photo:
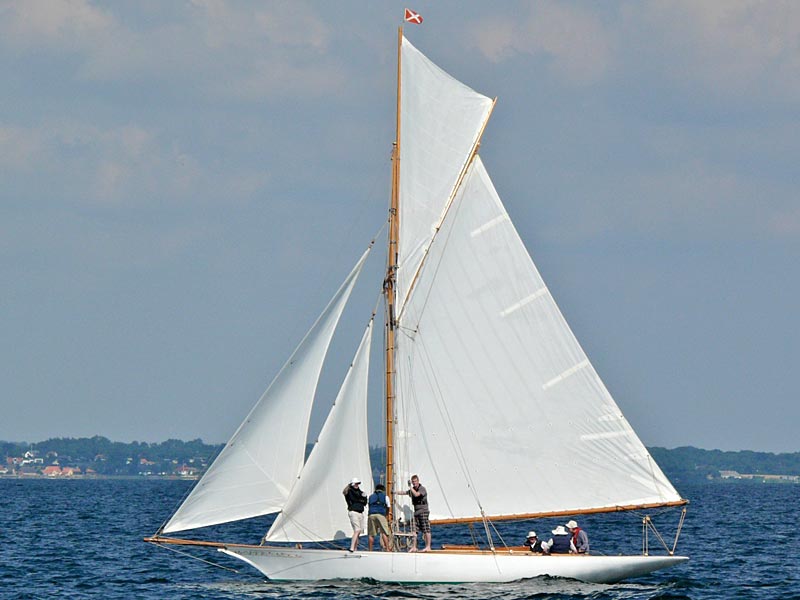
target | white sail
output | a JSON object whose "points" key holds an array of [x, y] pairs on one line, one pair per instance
{"points": [[499, 408], [316, 509], [254, 473], [441, 121]]}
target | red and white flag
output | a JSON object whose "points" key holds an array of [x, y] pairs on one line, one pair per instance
{"points": [[413, 17]]}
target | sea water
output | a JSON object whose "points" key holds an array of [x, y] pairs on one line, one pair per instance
{"points": [[83, 539]]}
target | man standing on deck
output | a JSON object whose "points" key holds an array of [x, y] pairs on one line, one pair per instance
{"points": [[419, 498], [356, 501], [376, 521]]}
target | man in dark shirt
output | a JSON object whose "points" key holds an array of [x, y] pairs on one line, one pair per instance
{"points": [[533, 542], [419, 498], [356, 501], [376, 521]]}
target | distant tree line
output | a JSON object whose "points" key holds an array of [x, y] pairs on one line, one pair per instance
{"points": [[693, 465], [682, 465], [116, 458]]}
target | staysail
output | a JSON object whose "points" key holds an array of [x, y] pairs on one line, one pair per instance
{"points": [[257, 468], [315, 510], [499, 410], [441, 123]]}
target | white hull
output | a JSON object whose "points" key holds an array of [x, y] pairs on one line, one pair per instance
{"points": [[441, 567]]}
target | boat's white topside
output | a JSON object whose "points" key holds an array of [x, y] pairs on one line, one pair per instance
{"points": [[441, 566]]}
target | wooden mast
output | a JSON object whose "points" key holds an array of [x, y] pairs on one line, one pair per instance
{"points": [[389, 288]]}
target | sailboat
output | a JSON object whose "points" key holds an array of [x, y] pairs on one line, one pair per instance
{"points": [[488, 395]]}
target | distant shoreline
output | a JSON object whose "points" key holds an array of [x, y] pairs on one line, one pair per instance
{"points": [[38, 477], [193, 478], [101, 458]]}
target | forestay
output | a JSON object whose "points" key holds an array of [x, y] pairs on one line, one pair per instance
{"points": [[257, 468], [440, 123], [316, 509], [499, 408]]}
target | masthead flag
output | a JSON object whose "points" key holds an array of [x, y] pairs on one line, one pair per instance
{"points": [[413, 17]]}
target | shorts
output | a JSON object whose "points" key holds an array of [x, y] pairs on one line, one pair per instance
{"points": [[377, 524], [422, 523], [356, 520]]}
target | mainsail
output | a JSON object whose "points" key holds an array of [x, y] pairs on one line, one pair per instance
{"points": [[257, 468], [501, 412], [315, 510]]}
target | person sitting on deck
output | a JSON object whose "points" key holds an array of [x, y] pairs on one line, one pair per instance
{"points": [[579, 538], [534, 543], [560, 543]]}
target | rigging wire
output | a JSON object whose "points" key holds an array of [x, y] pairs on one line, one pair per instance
{"points": [[447, 419], [202, 560], [430, 375]]}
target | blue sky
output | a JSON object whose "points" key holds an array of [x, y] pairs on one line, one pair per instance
{"points": [[184, 185]]}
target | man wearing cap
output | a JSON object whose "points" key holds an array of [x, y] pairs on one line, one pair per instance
{"points": [[376, 521], [356, 501], [579, 538], [534, 543]]}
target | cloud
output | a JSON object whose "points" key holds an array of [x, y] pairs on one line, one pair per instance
{"points": [[283, 24], [786, 223], [738, 46], [246, 51], [69, 24], [743, 47], [117, 165], [18, 147], [576, 42]]}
